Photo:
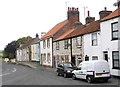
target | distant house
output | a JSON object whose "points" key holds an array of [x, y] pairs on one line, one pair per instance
{"points": [[47, 54], [35, 49], [110, 41], [23, 53]]}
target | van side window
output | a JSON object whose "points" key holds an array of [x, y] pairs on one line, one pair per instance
{"points": [[94, 57], [86, 58]]}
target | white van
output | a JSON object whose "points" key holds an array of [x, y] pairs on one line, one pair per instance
{"points": [[92, 70]]}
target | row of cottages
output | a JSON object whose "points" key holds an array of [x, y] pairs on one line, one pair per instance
{"points": [[30, 51], [47, 46], [72, 41]]}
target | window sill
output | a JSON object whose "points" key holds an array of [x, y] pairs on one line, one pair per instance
{"points": [[114, 39], [116, 68]]}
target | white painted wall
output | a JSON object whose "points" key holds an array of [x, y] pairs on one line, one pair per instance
{"points": [[107, 43], [46, 51], [92, 50]]}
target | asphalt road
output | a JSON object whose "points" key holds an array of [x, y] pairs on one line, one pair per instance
{"points": [[23, 75]]}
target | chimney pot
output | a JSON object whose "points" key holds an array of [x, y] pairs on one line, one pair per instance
{"points": [[68, 9], [77, 9], [88, 13], [105, 8]]}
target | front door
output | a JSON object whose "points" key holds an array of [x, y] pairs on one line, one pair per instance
{"points": [[105, 54], [73, 60]]}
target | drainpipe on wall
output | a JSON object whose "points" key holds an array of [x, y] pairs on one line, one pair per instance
{"points": [[71, 47]]}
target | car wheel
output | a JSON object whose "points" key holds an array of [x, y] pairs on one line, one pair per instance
{"points": [[73, 77], [89, 79], [106, 80], [58, 74], [65, 75]]}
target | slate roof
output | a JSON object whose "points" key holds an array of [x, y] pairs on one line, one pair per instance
{"points": [[30, 42]]}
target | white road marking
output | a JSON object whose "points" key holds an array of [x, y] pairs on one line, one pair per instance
{"points": [[14, 70]]}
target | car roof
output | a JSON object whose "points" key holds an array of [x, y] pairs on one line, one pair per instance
{"points": [[65, 62]]}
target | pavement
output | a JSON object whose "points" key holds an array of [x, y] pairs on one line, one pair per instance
{"points": [[33, 65], [29, 64]]}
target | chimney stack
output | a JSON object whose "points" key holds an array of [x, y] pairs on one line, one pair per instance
{"points": [[37, 35], [73, 14], [89, 19], [104, 13]]}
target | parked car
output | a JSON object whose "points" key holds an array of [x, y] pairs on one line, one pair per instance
{"points": [[65, 69], [92, 70]]}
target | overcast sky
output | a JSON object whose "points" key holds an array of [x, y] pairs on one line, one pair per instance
{"points": [[21, 18]]}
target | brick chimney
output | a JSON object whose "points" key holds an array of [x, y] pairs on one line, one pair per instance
{"points": [[89, 19], [104, 13], [37, 35], [73, 14]]}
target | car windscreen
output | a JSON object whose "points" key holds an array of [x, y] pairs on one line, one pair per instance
{"points": [[68, 65]]}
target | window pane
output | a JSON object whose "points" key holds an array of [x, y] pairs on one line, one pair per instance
{"points": [[78, 41], [115, 55], [116, 64], [115, 26], [115, 34], [94, 42], [94, 36], [115, 59]]}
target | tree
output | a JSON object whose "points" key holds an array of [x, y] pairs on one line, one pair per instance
{"points": [[22, 40], [10, 50]]}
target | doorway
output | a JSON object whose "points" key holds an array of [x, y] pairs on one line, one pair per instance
{"points": [[73, 60], [105, 54]]}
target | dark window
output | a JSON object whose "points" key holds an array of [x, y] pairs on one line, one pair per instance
{"points": [[48, 42], [114, 27], [44, 44], [115, 55], [86, 58], [57, 45], [78, 42], [94, 39], [66, 44]]}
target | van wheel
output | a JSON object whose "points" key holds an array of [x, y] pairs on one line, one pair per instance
{"points": [[65, 75], [73, 77], [89, 79]]}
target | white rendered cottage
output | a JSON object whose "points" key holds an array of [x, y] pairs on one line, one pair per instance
{"points": [[109, 33]]}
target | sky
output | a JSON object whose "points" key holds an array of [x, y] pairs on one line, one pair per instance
{"points": [[22, 18]]}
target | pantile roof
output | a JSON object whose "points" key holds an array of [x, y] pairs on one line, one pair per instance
{"points": [[85, 29], [55, 29], [116, 13]]}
